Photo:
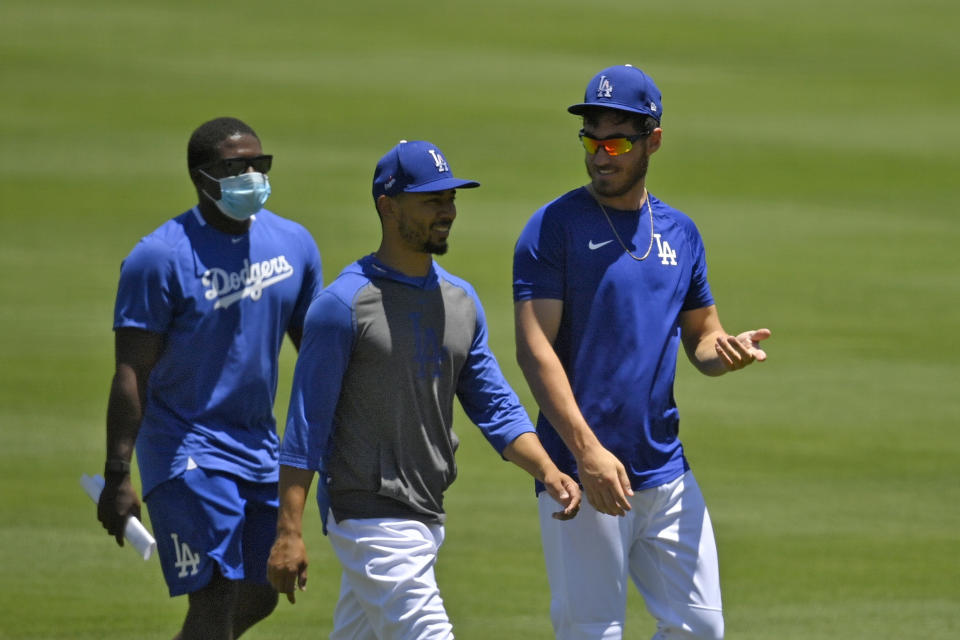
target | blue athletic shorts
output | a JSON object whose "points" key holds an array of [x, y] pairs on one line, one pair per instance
{"points": [[204, 519]]}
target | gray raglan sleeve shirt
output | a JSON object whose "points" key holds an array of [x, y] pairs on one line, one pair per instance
{"points": [[372, 401]]}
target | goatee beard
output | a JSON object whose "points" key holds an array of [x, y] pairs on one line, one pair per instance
{"points": [[435, 248], [634, 176]]}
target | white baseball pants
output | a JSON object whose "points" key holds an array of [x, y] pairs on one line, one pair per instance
{"points": [[665, 544], [388, 590]]}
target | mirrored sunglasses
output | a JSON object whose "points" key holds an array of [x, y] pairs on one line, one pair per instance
{"points": [[613, 146]]}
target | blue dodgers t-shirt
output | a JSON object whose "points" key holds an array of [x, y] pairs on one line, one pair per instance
{"points": [[223, 303], [619, 333]]}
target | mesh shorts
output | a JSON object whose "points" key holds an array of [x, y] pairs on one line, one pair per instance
{"points": [[206, 519]]}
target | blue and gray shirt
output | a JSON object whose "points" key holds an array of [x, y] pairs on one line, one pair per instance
{"points": [[382, 357]]}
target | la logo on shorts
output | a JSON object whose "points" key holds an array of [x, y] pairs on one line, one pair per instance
{"points": [[187, 560]]}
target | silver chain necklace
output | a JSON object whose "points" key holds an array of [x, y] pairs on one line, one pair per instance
{"points": [[646, 196]]}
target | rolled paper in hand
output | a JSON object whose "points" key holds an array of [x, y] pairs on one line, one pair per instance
{"points": [[134, 531]]}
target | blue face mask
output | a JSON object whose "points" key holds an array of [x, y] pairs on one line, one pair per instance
{"points": [[243, 195]]}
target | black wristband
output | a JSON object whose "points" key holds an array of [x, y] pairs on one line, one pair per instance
{"points": [[115, 466]]}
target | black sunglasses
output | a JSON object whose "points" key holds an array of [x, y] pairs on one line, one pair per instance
{"points": [[236, 166]]}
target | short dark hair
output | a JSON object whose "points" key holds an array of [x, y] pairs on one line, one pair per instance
{"points": [[205, 139], [640, 121]]}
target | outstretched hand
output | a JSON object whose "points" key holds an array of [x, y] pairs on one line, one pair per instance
{"points": [[738, 351]]}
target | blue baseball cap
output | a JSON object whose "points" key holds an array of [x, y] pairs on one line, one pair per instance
{"points": [[623, 87], [415, 167]]}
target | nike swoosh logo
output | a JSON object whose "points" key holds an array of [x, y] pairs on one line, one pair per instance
{"points": [[593, 246]]}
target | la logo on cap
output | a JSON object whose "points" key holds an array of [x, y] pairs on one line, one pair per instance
{"points": [[605, 88], [439, 160]]}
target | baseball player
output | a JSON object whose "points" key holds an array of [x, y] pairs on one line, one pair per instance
{"points": [[386, 348], [202, 308], [609, 281]]}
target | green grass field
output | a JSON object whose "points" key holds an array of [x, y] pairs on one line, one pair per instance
{"points": [[815, 144]]}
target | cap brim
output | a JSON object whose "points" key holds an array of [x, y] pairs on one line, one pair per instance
{"points": [[581, 108], [442, 185]]}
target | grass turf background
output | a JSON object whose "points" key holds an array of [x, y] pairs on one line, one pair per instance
{"points": [[815, 145]]}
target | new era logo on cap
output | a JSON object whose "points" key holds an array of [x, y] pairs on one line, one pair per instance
{"points": [[623, 87], [416, 166]]}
